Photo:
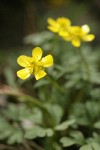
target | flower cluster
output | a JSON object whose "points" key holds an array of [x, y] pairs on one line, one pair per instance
{"points": [[75, 34], [34, 65], [62, 26]]}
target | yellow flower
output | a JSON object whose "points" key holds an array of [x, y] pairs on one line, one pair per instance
{"points": [[78, 34], [60, 25], [34, 65]]}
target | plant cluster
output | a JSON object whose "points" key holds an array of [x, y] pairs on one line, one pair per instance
{"points": [[61, 108]]}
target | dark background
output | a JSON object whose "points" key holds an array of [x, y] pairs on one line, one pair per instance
{"points": [[19, 18]]}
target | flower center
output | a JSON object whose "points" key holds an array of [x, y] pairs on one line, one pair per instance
{"points": [[35, 66]]}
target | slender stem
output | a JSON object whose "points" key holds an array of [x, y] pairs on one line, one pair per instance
{"points": [[32, 100], [86, 65], [56, 85], [26, 145]]}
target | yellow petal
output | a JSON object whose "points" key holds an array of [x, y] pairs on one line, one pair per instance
{"points": [[54, 29], [37, 54], [86, 28], [64, 33], [23, 60], [76, 42], [51, 21], [47, 61], [24, 73], [64, 21], [89, 37], [53, 25], [39, 74], [75, 30]]}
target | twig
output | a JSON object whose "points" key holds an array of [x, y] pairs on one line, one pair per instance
{"points": [[35, 145], [6, 147], [26, 145]]}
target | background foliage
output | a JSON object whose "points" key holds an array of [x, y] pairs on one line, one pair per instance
{"points": [[62, 110]]}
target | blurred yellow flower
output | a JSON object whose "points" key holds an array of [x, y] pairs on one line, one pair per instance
{"points": [[74, 34], [34, 65], [60, 25], [78, 34]]}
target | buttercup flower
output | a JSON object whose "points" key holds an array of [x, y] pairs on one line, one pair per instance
{"points": [[74, 34], [78, 34], [34, 65], [60, 25]]}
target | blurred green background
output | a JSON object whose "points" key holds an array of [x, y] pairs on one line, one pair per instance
{"points": [[22, 17], [64, 106]]}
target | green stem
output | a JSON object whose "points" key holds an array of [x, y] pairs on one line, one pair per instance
{"points": [[32, 100], [86, 65], [55, 84]]}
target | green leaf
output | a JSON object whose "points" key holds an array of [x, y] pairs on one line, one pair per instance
{"points": [[49, 132], [56, 111], [67, 141], [97, 125], [31, 133], [40, 83], [78, 136], [5, 133], [44, 132], [86, 147], [3, 124], [15, 137], [11, 112], [65, 125], [95, 146], [41, 132], [35, 116], [10, 77], [38, 132], [23, 112]]}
